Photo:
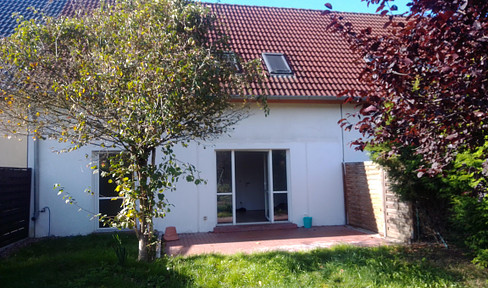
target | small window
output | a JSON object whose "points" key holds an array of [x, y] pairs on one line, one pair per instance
{"points": [[231, 59], [276, 63]]}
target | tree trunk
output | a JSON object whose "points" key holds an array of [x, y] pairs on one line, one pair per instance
{"points": [[143, 255], [145, 231], [144, 235]]}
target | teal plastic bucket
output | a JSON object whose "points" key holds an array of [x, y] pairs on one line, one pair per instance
{"points": [[307, 222]]}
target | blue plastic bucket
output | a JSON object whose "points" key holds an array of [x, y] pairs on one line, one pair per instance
{"points": [[307, 222]]}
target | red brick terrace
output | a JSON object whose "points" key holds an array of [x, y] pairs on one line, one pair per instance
{"points": [[265, 238]]}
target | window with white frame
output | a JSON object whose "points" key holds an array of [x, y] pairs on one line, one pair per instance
{"points": [[109, 201], [280, 185], [224, 187]]}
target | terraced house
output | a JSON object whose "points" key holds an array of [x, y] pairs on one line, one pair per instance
{"points": [[274, 169]]}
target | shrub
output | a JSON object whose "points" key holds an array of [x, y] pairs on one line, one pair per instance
{"points": [[428, 195], [455, 203]]}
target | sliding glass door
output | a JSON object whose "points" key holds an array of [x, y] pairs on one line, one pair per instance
{"points": [[252, 186]]}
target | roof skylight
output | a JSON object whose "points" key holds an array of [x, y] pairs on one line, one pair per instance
{"points": [[276, 64]]}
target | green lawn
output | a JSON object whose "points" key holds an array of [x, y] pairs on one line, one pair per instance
{"points": [[90, 261]]}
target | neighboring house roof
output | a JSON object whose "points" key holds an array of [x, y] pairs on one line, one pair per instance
{"points": [[26, 8], [321, 62]]}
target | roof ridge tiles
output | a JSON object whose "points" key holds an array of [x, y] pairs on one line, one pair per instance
{"points": [[284, 8]]}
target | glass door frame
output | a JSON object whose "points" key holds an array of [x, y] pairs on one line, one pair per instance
{"points": [[269, 190]]}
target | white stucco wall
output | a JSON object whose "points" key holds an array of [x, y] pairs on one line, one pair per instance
{"points": [[350, 153], [13, 152], [316, 148]]}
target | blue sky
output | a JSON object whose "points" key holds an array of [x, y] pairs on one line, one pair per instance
{"points": [[338, 5]]}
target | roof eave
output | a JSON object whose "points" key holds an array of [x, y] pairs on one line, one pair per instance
{"points": [[298, 99]]}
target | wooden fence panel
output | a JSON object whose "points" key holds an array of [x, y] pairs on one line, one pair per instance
{"points": [[363, 183], [15, 194], [372, 206]]}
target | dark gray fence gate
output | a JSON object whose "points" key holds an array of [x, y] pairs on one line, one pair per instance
{"points": [[15, 192]]}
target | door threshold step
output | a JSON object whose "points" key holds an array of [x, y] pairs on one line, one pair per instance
{"points": [[254, 227]]}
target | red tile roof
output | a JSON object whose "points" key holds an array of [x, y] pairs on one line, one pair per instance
{"points": [[322, 63], [74, 6]]}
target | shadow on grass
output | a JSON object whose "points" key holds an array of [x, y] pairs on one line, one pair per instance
{"points": [[85, 261], [90, 261]]}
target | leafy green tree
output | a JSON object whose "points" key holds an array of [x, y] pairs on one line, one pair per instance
{"points": [[425, 75], [139, 75]]}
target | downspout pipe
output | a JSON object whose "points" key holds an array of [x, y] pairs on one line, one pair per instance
{"points": [[35, 181], [346, 212], [33, 162]]}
